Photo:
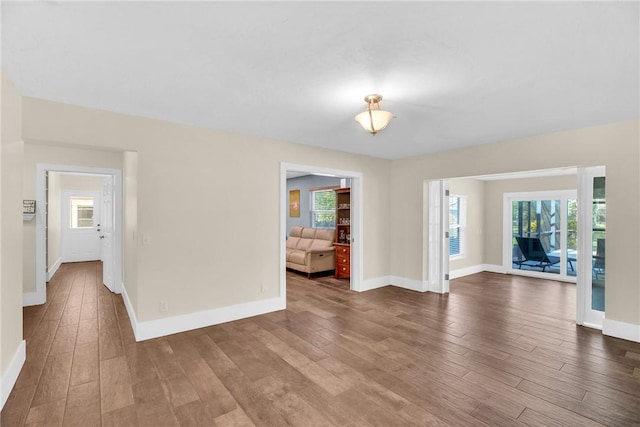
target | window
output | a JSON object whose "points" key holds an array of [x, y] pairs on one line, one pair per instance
{"points": [[81, 212], [457, 225], [323, 209]]}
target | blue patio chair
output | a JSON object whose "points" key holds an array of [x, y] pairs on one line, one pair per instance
{"points": [[534, 253]]}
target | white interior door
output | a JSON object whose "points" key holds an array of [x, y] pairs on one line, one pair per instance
{"points": [[107, 234], [591, 254], [438, 270], [81, 212]]}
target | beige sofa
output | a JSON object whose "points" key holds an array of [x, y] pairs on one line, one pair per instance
{"points": [[310, 250]]}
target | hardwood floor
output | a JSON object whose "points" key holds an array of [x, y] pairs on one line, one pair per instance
{"points": [[499, 350]]}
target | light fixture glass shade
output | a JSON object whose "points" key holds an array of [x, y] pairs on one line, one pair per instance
{"points": [[378, 120], [373, 119]]}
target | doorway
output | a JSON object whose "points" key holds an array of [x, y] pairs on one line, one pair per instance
{"points": [[540, 234], [110, 229], [286, 169], [559, 218]]}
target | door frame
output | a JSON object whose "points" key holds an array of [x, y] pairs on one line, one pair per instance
{"points": [[41, 201], [507, 247], [356, 220]]}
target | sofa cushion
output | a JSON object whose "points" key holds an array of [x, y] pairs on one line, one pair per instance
{"points": [[308, 233], [320, 244], [292, 242], [304, 244], [296, 231], [296, 256], [326, 234]]}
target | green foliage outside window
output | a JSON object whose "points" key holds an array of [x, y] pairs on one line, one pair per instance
{"points": [[324, 205]]}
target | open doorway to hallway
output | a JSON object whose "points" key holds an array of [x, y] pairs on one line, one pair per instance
{"points": [[81, 221], [73, 219]]}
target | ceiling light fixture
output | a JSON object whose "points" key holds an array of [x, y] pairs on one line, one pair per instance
{"points": [[374, 119]]}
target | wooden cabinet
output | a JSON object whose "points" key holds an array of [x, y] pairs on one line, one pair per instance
{"points": [[343, 261], [343, 233]]}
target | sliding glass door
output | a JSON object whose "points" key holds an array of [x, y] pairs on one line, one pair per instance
{"points": [[542, 235]]}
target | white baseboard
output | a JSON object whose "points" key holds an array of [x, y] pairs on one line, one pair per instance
{"points": [[33, 298], [10, 376], [467, 271], [375, 283], [397, 281], [53, 269], [411, 284], [626, 331], [492, 268], [130, 311], [186, 322]]}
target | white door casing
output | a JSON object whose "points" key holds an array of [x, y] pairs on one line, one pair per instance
{"points": [[79, 243], [106, 233], [438, 247], [356, 278], [40, 294]]}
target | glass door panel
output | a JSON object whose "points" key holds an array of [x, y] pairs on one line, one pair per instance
{"points": [[598, 239], [591, 246], [537, 235], [572, 237]]}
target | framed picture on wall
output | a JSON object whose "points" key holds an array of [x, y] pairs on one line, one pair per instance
{"points": [[294, 203]]}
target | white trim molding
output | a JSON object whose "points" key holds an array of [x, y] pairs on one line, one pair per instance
{"points": [[398, 282], [10, 376], [33, 298], [411, 284], [493, 268], [53, 269], [130, 311], [375, 283], [626, 331], [467, 271], [185, 322]]}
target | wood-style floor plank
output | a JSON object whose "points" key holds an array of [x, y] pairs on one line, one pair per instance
{"points": [[498, 350]]}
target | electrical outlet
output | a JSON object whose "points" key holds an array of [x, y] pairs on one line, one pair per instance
{"points": [[263, 287], [146, 240], [164, 306]]}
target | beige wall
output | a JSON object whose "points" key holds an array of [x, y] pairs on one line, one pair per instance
{"points": [[53, 220], [193, 264], [213, 241], [82, 182], [494, 191], [39, 152], [11, 148], [614, 145], [474, 190], [130, 247]]}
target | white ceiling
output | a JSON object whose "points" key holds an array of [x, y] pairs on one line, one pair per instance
{"points": [[454, 74]]}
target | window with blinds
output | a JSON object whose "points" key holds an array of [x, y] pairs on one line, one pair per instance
{"points": [[457, 225]]}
